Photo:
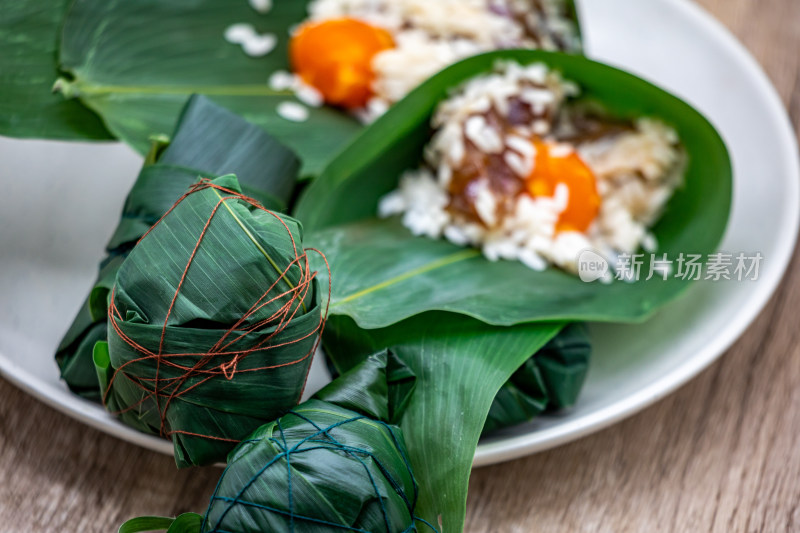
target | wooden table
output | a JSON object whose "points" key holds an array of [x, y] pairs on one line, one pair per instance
{"points": [[719, 455]]}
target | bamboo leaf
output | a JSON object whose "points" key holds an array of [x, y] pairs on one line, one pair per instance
{"points": [[385, 275], [460, 365], [29, 35], [137, 63], [185, 523], [550, 380], [146, 523], [380, 389]]}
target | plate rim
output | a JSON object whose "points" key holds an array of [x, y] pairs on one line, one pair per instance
{"points": [[513, 447]]}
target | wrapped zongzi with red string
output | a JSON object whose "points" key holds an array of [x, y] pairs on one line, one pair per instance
{"points": [[209, 141], [214, 318]]}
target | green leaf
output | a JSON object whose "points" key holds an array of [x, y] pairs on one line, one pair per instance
{"points": [[185, 523], [385, 275], [214, 324], [324, 466], [217, 142], [209, 141], [137, 63], [28, 69], [380, 389], [460, 365], [146, 523], [552, 379]]}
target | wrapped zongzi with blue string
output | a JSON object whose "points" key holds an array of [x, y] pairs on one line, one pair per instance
{"points": [[214, 318], [209, 141], [335, 463]]}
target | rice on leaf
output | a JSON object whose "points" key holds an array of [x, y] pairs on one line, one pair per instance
{"points": [[214, 318], [208, 141], [365, 56], [240, 57], [464, 258], [524, 169]]}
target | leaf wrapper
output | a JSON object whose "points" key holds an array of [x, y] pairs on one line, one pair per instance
{"points": [[400, 276], [214, 319], [550, 380], [460, 364], [208, 142], [334, 463], [29, 37], [137, 63]]}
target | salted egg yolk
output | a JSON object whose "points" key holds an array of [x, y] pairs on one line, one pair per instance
{"points": [[335, 57], [553, 168]]}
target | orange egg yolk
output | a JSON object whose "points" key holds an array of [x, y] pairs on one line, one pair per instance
{"points": [[335, 57], [570, 170]]}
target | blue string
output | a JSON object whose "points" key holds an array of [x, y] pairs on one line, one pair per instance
{"points": [[288, 476], [322, 439], [352, 452]]}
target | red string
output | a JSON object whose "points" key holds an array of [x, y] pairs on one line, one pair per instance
{"points": [[165, 390]]}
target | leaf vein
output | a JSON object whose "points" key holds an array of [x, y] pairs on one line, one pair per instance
{"points": [[440, 263]]}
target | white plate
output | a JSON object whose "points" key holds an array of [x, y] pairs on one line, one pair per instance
{"points": [[60, 203]]}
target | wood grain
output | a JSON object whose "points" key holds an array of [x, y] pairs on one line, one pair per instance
{"points": [[720, 455]]}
